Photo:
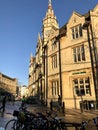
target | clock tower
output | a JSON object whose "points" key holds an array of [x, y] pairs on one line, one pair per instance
{"points": [[49, 22]]}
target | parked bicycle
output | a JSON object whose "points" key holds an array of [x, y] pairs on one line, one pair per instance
{"points": [[49, 120], [91, 124], [16, 123]]}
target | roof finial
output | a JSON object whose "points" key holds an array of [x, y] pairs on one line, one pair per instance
{"points": [[50, 5], [49, 1]]}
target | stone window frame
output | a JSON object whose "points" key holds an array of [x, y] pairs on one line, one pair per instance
{"points": [[79, 54], [76, 31], [54, 44], [82, 86], [54, 88], [54, 61]]}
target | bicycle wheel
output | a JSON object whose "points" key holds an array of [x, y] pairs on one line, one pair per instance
{"points": [[11, 124], [14, 125], [60, 128], [49, 125], [91, 126]]}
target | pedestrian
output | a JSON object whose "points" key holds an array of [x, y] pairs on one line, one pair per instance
{"points": [[51, 107], [3, 103], [13, 99], [0, 99], [23, 101], [59, 102]]}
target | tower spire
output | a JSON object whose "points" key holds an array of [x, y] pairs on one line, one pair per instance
{"points": [[50, 5], [49, 22], [50, 10]]}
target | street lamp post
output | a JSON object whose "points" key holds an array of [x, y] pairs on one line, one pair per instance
{"points": [[88, 27], [82, 106], [81, 94]]}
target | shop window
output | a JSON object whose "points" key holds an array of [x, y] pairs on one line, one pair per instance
{"points": [[82, 86], [77, 90]]}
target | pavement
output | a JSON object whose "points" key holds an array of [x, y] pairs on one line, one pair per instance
{"points": [[70, 115], [75, 115], [8, 114]]}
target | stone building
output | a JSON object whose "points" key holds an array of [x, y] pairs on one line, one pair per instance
{"points": [[30, 79], [66, 60], [8, 85]]}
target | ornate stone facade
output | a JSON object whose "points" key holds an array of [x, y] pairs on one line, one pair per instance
{"points": [[66, 60]]}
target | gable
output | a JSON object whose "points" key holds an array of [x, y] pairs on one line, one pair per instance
{"points": [[74, 19], [95, 10]]}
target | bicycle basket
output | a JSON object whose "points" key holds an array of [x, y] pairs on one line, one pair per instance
{"points": [[21, 117], [15, 113]]}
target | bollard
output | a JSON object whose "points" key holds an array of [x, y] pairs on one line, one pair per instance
{"points": [[51, 107], [46, 103], [63, 108]]}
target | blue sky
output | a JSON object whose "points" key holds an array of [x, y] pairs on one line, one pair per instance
{"points": [[20, 23]]}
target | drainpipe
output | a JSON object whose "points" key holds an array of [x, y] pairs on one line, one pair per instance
{"points": [[60, 74], [92, 56], [96, 69], [46, 75]]}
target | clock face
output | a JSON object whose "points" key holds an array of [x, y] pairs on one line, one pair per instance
{"points": [[47, 32]]}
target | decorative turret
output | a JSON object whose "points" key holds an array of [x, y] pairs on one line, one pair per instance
{"points": [[49, 22]]}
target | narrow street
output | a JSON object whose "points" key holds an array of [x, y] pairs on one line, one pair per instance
{"points": [[70, 115], [8, 114]]}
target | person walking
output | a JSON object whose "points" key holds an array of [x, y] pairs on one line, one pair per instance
{"points": [[23, 101], [3, 104], [59, 102], [13, 99], [0, 99]]}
